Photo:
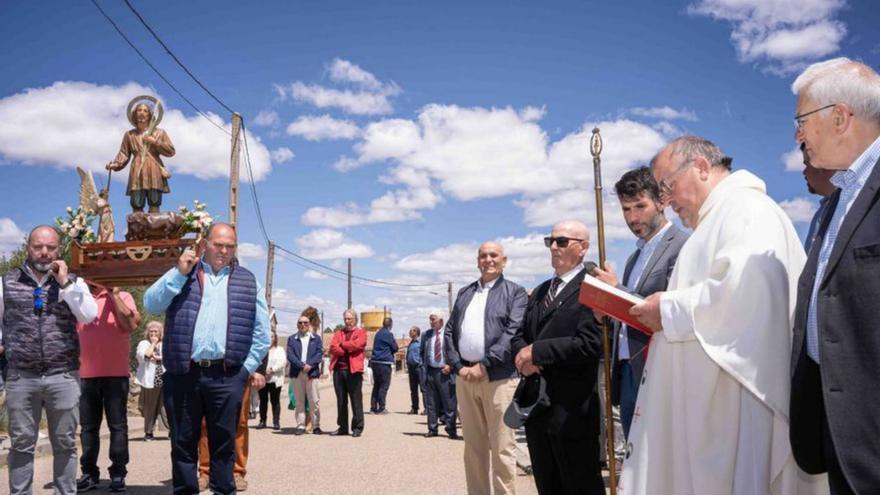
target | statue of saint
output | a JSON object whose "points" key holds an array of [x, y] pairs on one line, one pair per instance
{"points": [[144, 146]]}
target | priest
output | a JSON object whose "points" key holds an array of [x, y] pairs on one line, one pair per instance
{"points": [[712, 413]]}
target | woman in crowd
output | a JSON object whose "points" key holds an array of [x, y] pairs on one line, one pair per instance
{"points": [[274, 384], [149, 377]]}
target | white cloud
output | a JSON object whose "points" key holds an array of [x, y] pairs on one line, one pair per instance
{"points": [[665, 112], [314, 275], [345, 71], [11, 237], [72, 124], [321, 127], [267, 118], [800, 209], [251, 251], [325, 244], [282, 154], [393, 206], [793, 160], [783, 33], [355, 102]]}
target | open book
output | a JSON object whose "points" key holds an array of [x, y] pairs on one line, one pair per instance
{"points": [[612, 301]]}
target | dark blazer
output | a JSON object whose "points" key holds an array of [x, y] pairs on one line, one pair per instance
{"points": [[567, 344], [313, 358], [654, 278], [424, 340], [849, 346], [505, 308]]}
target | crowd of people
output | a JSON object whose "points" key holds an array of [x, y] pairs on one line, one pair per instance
{"points": [[749, 372]]}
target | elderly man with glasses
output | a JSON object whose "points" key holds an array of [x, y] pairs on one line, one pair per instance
{"points": [[712, 413], [836, 345], [40, 306]]}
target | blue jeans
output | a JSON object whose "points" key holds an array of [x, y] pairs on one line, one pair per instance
{"points": [[214, 393], [27, 393]]}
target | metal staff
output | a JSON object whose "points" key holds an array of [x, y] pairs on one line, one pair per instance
{"points": [[596, 151]]}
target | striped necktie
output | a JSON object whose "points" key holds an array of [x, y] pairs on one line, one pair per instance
{"points": [[551, 294]]}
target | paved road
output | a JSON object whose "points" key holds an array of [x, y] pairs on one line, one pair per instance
{"points": [[391, 457]]}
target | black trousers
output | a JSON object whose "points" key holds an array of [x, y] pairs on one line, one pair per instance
{"points": [[381, 383], [214, 393], [347, 385], [564, 464], [440, 400], [415, 385], [270, 392], [104, 396]]}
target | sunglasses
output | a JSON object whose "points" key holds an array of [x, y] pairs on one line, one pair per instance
{"points": [[560, 241], [38, 299], [300, 323]]}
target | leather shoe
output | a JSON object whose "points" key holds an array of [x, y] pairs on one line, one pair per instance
{"points": [[431, 434], [338, 433], [261, 425], [413, 411], [355, 434], [454, 436], [317, 431]]}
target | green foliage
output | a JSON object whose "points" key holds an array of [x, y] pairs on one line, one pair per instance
{"points": [[14, 260]]}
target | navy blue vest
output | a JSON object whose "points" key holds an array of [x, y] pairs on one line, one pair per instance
{"points": [[180, 320]]}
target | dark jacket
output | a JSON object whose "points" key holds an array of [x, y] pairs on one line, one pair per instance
{"points": [[505, 309], [849, 346], [44, 342], [180, 319], [567, 345], [313, 358], [655, 278], [384, 347]]}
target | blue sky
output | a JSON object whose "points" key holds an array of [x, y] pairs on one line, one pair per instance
{"points": [[404, 133]]}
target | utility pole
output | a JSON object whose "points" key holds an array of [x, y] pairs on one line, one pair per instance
{"points": [[233, 170], [270, 269], [449, 296], [349, 283]]}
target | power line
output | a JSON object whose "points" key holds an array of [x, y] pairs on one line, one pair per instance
{"points": [[168, 50], [147, 61], [250, 172]]}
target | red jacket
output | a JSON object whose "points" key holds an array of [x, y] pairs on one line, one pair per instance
{"points": [[352, 343]]}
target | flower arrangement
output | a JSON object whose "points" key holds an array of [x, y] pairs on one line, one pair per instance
{"points": [[196, 220], [77, 227]]}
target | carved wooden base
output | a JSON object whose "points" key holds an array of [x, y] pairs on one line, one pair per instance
{"points": [[162, 225], [126, 264]]}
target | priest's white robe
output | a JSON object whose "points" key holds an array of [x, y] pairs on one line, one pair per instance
{"points": [[712, 412]]}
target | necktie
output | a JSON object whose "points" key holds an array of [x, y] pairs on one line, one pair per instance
{"points": [[551, 294], [438, 356]]}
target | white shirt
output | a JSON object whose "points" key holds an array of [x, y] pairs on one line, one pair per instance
{"points": [[438, 334], [304, 340], [472, 343], [276, 363], [566, 277], [77, 296], [146, 372]]}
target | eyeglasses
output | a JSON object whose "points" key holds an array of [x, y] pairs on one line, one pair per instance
{"points": [[800, 119], [301, 323], [38, 299], [667, 184], [560, 241]]}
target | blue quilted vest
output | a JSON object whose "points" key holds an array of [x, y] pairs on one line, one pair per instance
{"points": [[180, 320]]}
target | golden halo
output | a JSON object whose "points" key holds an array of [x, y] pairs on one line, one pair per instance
{"points": [[157, 109]]}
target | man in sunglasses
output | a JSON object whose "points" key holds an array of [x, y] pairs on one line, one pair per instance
{"points": [[647, 271], [559, 340], [476, 346], [40, 305], [712, 413], [834, 396]]}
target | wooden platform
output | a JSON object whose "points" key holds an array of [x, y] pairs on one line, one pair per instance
{"points": [[126, 264]]}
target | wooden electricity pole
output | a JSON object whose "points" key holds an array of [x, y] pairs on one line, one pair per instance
{"points": [[233, 170], [349, 283], [270, 271]]}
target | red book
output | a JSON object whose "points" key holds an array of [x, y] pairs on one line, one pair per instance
{"points": [[612, 301]]}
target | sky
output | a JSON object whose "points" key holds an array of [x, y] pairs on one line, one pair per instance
{"points": [[402, 134]]}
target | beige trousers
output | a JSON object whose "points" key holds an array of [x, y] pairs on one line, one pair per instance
{"points": [[302, 388], [482, 407]]}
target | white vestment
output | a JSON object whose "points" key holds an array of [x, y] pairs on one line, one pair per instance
{"points": [[712, 412]]}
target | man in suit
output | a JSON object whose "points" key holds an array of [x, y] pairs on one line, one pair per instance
{"points": [[836, 348], [484, 318], [440, 400], [560, 341], [647, 271]]}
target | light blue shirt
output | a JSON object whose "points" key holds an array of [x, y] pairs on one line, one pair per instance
{"points": [[850, 182], [209, 336], [646, 250]]}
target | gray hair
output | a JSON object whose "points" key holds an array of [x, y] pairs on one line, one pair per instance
{"points": [[841, 80], [153, 324], [690, 147], [350, 312]]}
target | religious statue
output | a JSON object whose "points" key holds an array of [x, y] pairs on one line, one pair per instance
{"points": [[144, 146], [97, 203]]}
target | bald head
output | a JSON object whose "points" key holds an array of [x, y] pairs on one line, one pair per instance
{"points": [[43, 247], [220, 246], [576, 237], [490, 260], [575, 228]]}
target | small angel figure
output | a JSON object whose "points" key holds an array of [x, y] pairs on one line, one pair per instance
{"points": [[96, 202]]}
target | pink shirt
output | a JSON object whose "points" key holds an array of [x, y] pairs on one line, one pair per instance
{"points": [[104, 346]]}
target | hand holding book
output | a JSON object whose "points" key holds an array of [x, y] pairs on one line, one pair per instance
{"points": [[616, 303]]}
